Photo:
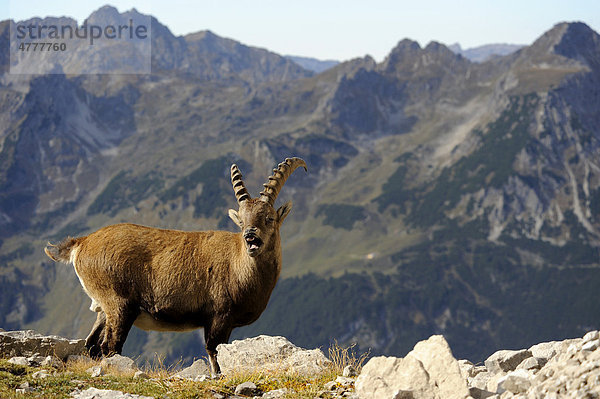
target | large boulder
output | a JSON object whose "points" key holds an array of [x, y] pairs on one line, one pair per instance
{"points": [[270, 354], [28, 342], [428, 371]]}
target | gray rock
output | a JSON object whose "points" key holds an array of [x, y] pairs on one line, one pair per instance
{"points": [[477, 393], [531, 363], [349, 371], [247, 388], [591, 336], [277, 393], [480, 380], [547, 350], [28, 342], [591, 345], [51, 361], [428, 371], [518, 381], [344, 382], [122, 364], [506, 360], [442, 367], [36, 360], [198, 369], [466, 368], [140, 375], [386, 377], [41, 374], [95, 371], [94, 393], [19, 361], [270, 354], [24, 388]]}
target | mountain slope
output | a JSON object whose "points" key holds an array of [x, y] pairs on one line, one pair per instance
{"points": [[443, 195]]}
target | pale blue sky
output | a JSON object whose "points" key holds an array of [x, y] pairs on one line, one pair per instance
{"points": [[339, 29]]}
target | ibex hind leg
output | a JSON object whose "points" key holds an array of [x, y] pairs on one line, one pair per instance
{"points": [[118, 323], [96, 336]]}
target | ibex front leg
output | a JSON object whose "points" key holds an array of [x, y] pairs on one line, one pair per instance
{"points": [[218, 333]]}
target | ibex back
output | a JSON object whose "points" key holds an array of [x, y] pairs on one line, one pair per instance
{"points": [[169, 280]]}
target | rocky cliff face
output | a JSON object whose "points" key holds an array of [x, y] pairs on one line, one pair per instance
{"points": [[459, 197]]}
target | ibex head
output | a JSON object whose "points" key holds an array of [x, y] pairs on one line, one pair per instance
{"points": [[257, 217]]}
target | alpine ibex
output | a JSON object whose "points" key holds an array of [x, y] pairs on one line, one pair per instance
{"points": [[170, 280]]}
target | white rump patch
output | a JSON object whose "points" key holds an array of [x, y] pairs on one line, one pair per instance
{"points": [[95, 306], [74, 253]]}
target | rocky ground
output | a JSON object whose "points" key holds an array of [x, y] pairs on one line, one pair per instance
{"points": [[272, 367]]}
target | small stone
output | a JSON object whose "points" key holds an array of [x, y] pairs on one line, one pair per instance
{"points": [[122, 364], [506, 360], [198, 369], [19, 361], [531, 363], [591, 336], [247, 388], [517, 381], [591, 346], [51, 361], [36, 360], [344, 381], [41, 374], [349, 371], [466, 368], [545, 350], [95, 371], [480, 380], [330, 386], [95, 393], [276, 393], [140, 375], [477, 393], [24, 388]]}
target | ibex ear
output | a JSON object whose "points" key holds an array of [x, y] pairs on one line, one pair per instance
{"points": [[283, 211], [235, 217]]}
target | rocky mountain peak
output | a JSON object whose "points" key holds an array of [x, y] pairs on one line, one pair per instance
{"points": [[579, 42], [409, 58], [573, 40], [104, 15]]}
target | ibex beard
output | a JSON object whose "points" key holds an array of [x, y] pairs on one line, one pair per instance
{"points": [[170, 280]]}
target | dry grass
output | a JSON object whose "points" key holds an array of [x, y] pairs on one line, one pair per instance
{"points": [[346, 356], [73, 375]]}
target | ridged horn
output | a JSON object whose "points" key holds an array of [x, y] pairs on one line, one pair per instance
{"points": [[276, 181], [239, 188]]}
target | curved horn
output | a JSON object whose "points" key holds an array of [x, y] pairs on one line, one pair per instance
{"points": [[239, 188], [278, 178]]}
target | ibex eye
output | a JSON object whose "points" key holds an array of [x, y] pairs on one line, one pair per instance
{"points": [[270, 220]]}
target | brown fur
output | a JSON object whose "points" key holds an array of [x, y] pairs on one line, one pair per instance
{"points": [[175, 280]]}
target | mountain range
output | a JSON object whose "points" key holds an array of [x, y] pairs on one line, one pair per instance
{"points": [[444, 196]]}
